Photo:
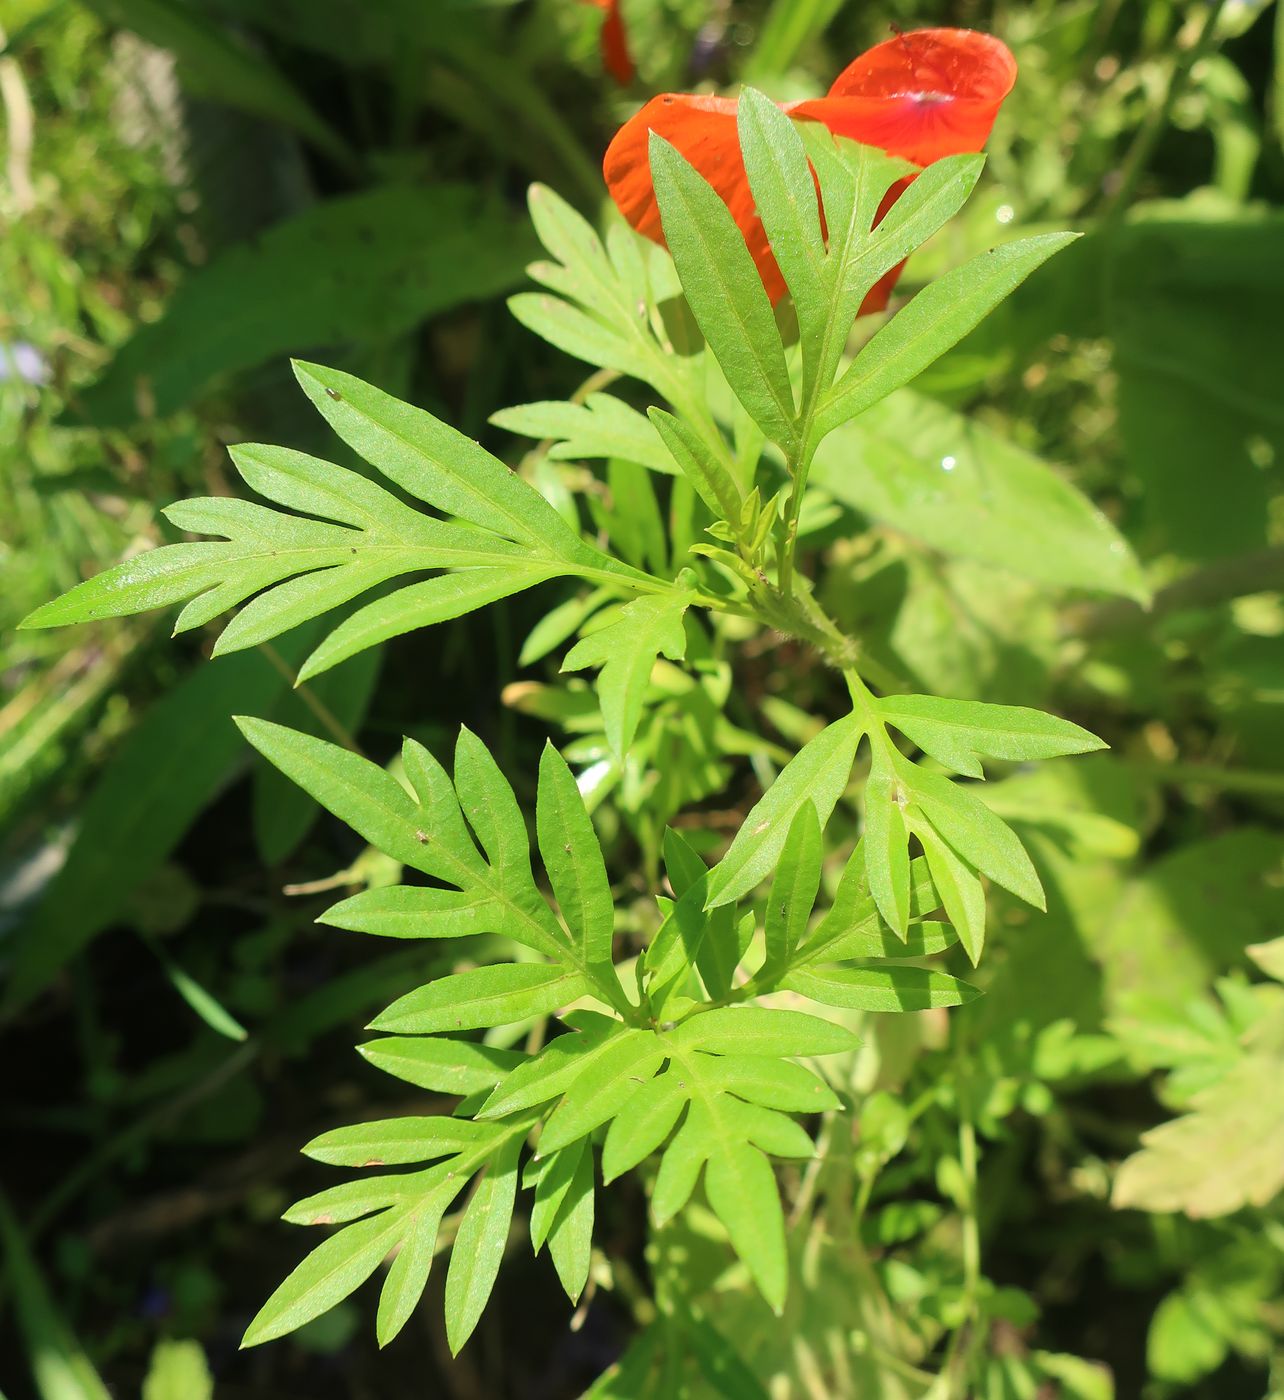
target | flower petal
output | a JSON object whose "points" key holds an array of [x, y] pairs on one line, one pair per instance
{"points": [[920, 96], [703, 129]]}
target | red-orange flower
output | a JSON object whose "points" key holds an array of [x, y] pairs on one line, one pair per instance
{"points": [[615, 43], [919, 96]]}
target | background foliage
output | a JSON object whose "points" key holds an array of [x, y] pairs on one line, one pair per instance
{"points": [[192, 193]]}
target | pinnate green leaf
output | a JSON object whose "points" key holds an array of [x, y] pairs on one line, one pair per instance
{"points": [[626, 650]]}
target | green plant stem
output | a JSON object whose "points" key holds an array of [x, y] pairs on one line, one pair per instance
{"points": [[325, 716], [1152, 129], [966, 1337], [1210, 775]]}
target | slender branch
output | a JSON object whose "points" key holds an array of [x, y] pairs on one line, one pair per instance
{"points": [[324, 714]]}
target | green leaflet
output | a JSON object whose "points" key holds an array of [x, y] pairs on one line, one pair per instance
{"points": [[759, 1030], [485, 996], [817, 774], [570, 1240], [626, 650], [793, 891], [725, 292], [444, 1066], [327, 1276], [408, 1274], [962, 895], [884, 844], [479, 1246], [705, 471], [742, 1190], [394, 1141], [879, 988], [785, 198], [976, 833], [957, 732], [934, 320], [574, 862], [602, 426]]}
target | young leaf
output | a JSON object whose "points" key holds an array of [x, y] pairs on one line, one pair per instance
{"points": [[602, 426], [933, 321], [724, 291], [785, 197], [573, 860], [479, 1245], [712, 481], [817, 774], [954, 732], [626, 650], [793, 890], [482, 997], [879, 988]]}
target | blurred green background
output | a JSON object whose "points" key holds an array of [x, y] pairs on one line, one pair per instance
{"points": [[192, 192]]}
